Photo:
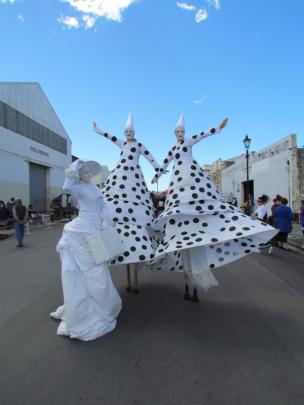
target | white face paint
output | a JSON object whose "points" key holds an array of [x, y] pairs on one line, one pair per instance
{"points": [[180, 134], [129, 133], [85, 174]]}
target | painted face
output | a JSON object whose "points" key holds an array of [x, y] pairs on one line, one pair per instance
{"points": [[180, 134], [85, 174], [129, 133]]}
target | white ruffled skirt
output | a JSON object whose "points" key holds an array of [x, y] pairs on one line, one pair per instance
{"points": [[91, 301]]}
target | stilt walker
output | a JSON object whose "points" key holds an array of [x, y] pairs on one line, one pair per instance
{"points": [[129, 202], [202, 229]]}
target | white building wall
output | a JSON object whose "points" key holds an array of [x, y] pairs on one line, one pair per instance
{"points": [[30, 99], [17, 151], [273, 171]]}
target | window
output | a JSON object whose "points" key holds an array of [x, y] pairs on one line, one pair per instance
{"points": [[21, 124]]}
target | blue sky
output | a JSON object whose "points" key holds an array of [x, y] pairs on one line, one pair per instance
{"points": [[98, 59]]}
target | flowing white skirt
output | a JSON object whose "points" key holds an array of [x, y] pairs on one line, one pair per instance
{"points": [[91, 302]]}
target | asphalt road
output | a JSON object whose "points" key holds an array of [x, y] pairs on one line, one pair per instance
{"points": [[242, 344]]}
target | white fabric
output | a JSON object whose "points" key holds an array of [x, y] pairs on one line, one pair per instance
{"points": [[199, 227], [261, 212], [129, 202], [181, 122], [130, 123], [88, 170], [105, 244], [91, 302], [194, 266]]}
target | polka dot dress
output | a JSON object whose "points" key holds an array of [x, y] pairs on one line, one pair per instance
{"points": [[196, 217], [129, 202]]}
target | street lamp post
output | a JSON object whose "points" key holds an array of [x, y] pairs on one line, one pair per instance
{"points": [[246, 142]]}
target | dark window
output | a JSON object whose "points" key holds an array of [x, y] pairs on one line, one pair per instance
{"points": [[21, 124]]}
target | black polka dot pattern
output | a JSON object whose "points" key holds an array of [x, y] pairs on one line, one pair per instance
{"points": [[130, 206], [195, 215]]}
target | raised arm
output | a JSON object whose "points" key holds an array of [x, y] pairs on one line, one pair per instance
{"points": [[71, 176], [144, 151], [196, 138], [112, 138], [163, 167]]}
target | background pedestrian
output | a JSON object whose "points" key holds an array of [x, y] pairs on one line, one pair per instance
{"points": [[20, 218], [283, 221]]}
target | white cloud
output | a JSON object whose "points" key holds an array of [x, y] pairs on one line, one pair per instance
{"points": [[7, 1], [185, 6], [68, 21], [20, 17], [215, 3], [89, 21], [201, 100], [201, 15], [109, 9]]}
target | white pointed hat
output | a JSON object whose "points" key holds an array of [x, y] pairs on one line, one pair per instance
{"points": [[181, 122], [129, 123]]}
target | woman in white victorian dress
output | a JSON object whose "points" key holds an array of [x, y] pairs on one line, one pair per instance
{"points": [[91, 302]]}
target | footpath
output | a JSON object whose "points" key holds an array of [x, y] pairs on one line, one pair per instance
{"points": [[296, 237]]}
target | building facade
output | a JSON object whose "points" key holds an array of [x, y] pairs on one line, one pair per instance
{"points": [[214, 171], [276, 169], [34, 146]]}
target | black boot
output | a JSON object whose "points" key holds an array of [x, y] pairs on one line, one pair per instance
{"points": [[187, 296], [195, 296]]}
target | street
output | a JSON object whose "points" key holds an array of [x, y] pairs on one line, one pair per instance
{"points": [[243, 343]]}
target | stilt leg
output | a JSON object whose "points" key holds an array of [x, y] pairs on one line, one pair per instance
{"points": [[129, 288], [187, 296], [195, 296], [135, 289]]}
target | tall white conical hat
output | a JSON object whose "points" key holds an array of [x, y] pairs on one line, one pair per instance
{"points": [[129, 123], [181, 122]]}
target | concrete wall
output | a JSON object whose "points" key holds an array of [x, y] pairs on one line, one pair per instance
{"points": [[274, 170]]}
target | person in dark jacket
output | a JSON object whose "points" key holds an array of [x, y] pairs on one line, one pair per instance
{"points": [[20, 218], [283, 221]]}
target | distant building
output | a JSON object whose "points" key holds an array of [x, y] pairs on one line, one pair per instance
{"points": [[34, 146], [276, 169], [214, 171]]}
